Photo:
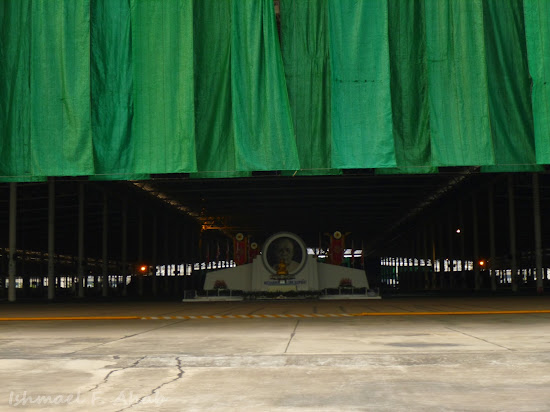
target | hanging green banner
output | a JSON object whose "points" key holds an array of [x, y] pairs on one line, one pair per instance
{"points": [[305, 50], [457, 83], [61, 135], [15, 97], [215, 137], [409, 88], [537, 32], [163, 131], [509, 87], [112, 91], [264, 136], [362, 135]]}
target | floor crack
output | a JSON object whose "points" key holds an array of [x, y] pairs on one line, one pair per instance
{"points": [[292, 335], [106, 378], [155, 390], [484, 340]]}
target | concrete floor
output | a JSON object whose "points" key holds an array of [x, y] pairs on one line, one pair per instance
{"points": [[417, 362]]}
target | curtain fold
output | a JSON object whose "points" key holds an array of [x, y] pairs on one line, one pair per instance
{"points": [[215, 135], [511, 115], [537, 33], [362, 134], [15, 96], [409, 88], [457, 83], [163, 132], [264, 134], [61, 134], [112, 89], [305, 50]]}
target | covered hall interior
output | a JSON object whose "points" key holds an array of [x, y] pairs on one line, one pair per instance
{"points": [[139, 138]]}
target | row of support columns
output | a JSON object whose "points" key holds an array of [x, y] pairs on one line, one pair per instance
{"points": [[429, 242], [80, 260]]}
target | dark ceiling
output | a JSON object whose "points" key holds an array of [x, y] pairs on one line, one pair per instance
{"points": [[388, 214]]}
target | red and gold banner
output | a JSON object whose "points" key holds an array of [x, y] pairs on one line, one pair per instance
{"points": [[337, 248], [240, 249]]}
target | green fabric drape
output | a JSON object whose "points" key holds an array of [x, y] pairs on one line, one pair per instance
{"points": [[15, 98], [457, 73], [511, 116], [409, 88], [61, 136], [215, 136], [261, 113], [305, 50], [537, 28], [119, 89], [163, 129], [112, 88], [361, 100]]}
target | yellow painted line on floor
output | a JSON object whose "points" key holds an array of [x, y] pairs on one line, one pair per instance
{"points": [[278, 315], [347, 315], [16, 319]]}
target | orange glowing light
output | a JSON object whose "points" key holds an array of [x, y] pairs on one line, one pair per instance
{"points": [[143, 268], [481, 263]]}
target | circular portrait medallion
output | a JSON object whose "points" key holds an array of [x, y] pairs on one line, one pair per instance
{"points": [[284, 252]]}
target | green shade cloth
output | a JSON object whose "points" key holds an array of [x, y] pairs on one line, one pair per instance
{"points": [[261, 111], [61, 133], [112, 87], [537, 32], [162, 54], [409, 88], [15, 99], [121, 89], [215, 136], [361, 99], [457, 73], [511, 115], [305, 50]]}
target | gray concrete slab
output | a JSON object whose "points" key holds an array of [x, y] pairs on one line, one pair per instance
{"points": [[385, 363]]}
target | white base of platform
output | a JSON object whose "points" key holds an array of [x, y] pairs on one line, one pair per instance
{"points": [[214, 299], [347, 297]]}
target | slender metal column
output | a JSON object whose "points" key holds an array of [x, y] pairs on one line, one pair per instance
{"points": [[512, 229], [154, 252], [81, 283], [492, 246], [140, 251], [477, 283], [425, 253], [124, 246], [51, 239], [451, 228], [538, 236], [432, 235], [105, 271], [12, 243], [462, 246]]}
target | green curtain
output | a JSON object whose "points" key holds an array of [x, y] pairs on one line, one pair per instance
{"points": [[261, 112], [409, 88], [119, 89], [537, 33], [511, 115], [15, 98], [361, 112], [305, 50], [112, 88], [457, 83], [163, 131], [61, 133], [215, 136]]}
